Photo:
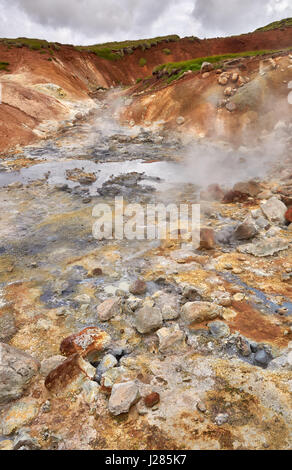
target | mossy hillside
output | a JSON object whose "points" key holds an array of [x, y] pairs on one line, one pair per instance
{"points": [[176, 69], [276, 25]]}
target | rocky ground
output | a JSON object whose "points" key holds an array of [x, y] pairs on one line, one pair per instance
{"points": [[119, 344]]}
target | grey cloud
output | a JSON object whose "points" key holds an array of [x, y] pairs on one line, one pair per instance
{"points": [[91, 17], [239, 16]]}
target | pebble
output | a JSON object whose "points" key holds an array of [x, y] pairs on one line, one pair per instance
{"points": [[151, 399]]}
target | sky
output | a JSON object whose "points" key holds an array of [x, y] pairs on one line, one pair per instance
{"points": [[97, 21]]}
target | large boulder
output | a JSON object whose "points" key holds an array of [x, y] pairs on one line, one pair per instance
{"points": [[17, 369]]}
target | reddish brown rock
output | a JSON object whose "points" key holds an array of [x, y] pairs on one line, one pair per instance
{"points": [[87, 343], [212, 193], [234, 196], [138, 287], [207, 239], [70, 374], [288, 215], [252, 188], [151, 399]]}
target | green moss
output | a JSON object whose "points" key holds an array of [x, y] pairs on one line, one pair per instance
{"points": [[195, 64], [4, 65], [166, 51], [277, 25], [115, 50], [139, 80], [142, 62]]}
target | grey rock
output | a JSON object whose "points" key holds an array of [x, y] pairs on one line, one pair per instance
{"points": [[24, 441], [246, 230], [274, 210], [262, 358], [148, 318], [7, 327], [47, 365], [107, 362], [123, 396], [219, 329], [264, 247], [17, 368], [221, 418], [206, 67], [109, 308]]}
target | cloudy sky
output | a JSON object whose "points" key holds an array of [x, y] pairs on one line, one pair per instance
{"points": [[96, 21]]}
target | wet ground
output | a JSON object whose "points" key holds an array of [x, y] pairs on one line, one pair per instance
{"points": [[53, 272]]}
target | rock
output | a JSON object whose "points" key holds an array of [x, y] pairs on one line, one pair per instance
{"points": [[274, 210], [201, 407], [212, 193], [230, 106], [180, 120], [6, 444], [206, 75], [69, 376], [148, 318], [223, 79], [246, 230], [7, 326], [107, 362], [222, 298], [183, 256], [170, 338], [219, 329], [108, 309], [262, 358], [244, 347], [234, 196], [138, 287], [197, 312], [123, 396], [16, 372], [151, 399], [169, 312], [228, 91], [234, 77], [252, 188], [112, 376], [88, 343], [83, 299], [23, 441], [207, 239], [239, 297], [94, 272], [264, 247], [221, 418], [47, 365], [288, 215], [206, 67], [17, 415]]}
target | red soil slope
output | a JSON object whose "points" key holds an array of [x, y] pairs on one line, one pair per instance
{"points": [[24, 106]]}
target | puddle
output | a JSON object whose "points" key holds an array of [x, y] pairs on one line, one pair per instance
{"points": [[169, 172]]}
